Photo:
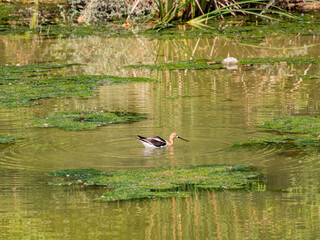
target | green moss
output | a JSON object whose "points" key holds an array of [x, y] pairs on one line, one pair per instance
{"points": [[21, 84], [9, 139], [216, 63], [149, 183], [295, 133], [84, 120]]}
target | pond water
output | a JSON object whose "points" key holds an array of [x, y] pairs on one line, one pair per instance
{"points": [[211, 108]]}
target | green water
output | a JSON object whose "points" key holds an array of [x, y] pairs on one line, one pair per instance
{"points": [[211, 108]]}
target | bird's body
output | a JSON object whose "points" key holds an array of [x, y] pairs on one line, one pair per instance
{"points": [[158, 142]]}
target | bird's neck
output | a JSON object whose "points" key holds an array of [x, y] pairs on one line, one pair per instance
{"points": [[170, 142]]}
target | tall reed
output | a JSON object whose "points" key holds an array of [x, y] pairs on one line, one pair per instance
{"points": [[198, 12]]}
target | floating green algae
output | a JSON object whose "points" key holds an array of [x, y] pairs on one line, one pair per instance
{"points": [[84, 120], [149, 183], [182, 65], [297, 125], [21, 84], [295, 132], [216, 63], [9, 139]]}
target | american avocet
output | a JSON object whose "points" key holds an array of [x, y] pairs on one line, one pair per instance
{"points": [[158, 142]]}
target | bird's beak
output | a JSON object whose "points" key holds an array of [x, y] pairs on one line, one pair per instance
{"points": [[183, 139]]}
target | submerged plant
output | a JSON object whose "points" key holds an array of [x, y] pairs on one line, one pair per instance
{"points": [[150, 183], [84, 120]]}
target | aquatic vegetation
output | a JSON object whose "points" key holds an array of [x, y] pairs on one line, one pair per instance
{"points": [[54, 20], [285, 142], [84, 120], [9, 139], [21, 84], [173, 97], [296, 125], [182, 65], [302, 132], [216, 63], [150, 183]]}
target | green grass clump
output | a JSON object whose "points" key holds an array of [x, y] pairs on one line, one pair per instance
{"points": [[302, 132], [149, 183], [9, 139], [216, 63], [21, 84], [84, 120]]}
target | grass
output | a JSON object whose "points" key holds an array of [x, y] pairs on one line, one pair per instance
{"points": [[84, 120], [302, 132], [216, 63], [152, 183], [19, 85]]}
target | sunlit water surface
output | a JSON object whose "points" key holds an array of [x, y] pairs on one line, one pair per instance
{"points": [[211, 108]]}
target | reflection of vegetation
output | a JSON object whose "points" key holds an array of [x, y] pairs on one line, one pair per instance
{"points": [[297, 132], [84, 120], [20, 84], [9, 139], [217, 63], [172, 97], [138, 183]]}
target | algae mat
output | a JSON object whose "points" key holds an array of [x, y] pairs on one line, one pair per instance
{"points": [[9, 139], [294, 132], [19, 85], [151, 183], [216, 63], [84, 120]]}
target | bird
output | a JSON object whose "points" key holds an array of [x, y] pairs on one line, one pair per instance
{"points": [[158, 142]]}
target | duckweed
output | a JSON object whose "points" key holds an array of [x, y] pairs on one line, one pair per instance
{"points": [[151, 183], [84, 120]]}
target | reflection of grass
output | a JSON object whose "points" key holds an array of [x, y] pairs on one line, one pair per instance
{"points": [[142, 183], [20, 84], [217, 63], [173, 97], [296, 133], [84, 120]]}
